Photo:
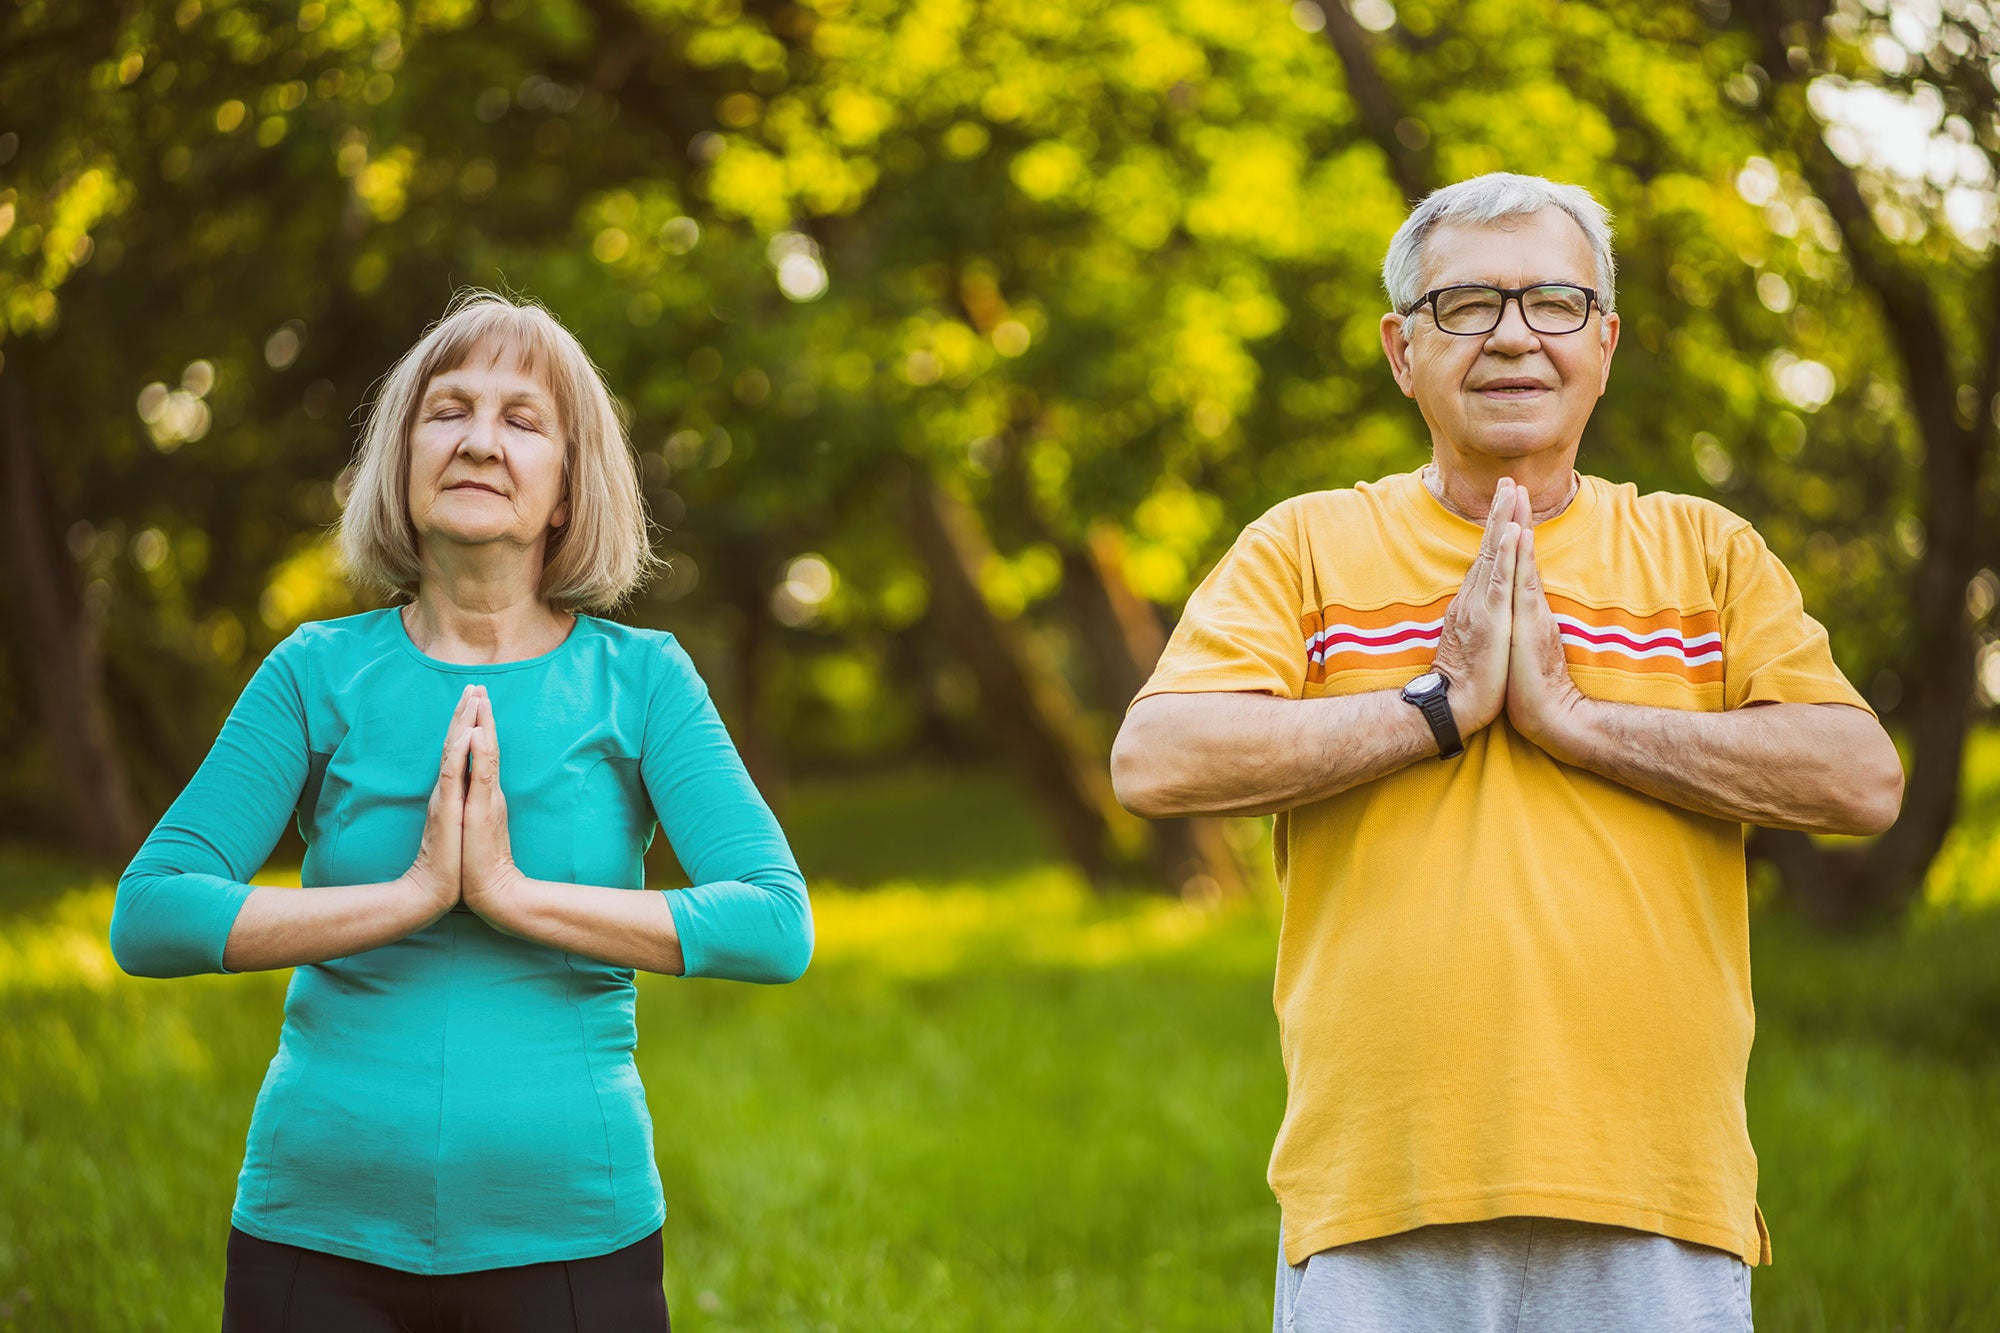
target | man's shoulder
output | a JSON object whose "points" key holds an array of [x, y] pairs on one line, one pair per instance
{"points": [[1298, 514], [1627, 504]]}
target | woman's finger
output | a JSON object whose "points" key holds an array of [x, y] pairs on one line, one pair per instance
{"points": [[491, 739], [479, 774], [461, 718]]}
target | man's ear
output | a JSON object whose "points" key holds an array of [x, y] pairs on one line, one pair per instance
{"points": [[1397, 348], [1610, 346]]}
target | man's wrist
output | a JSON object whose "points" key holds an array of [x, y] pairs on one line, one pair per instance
{"points": [[1577, 736], [1430, 695], [1466, 712]]}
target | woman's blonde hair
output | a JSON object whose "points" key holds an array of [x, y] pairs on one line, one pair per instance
{"points": [[596, 559]]}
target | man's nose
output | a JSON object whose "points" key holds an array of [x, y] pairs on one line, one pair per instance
{"points": [[1512, 337]]}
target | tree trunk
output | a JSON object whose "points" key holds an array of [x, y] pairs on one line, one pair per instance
{"points": [[1848, 888], [1375, 102], [1123, 637], [741, 559], [1032, 714], [61, 644]]}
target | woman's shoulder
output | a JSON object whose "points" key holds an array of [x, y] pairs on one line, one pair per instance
{"points": [[637, 647], [616, 634], [320, 640]]}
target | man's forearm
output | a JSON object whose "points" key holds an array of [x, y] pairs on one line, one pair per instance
{"points": [[1251, 754], [1821, 768]]}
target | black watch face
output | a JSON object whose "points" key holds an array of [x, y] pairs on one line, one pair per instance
{"points": [[1428, 683]]}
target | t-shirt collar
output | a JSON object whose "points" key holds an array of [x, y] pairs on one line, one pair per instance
{"points": [[1463, 532]]}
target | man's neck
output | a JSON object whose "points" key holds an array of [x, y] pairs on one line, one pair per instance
{"points": [[1552, 483]]}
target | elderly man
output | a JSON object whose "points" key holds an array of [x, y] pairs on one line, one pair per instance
{"points": [[1511, 721]]}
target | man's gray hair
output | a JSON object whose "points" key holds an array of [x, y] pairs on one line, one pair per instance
{"points": [[1487, 199]]}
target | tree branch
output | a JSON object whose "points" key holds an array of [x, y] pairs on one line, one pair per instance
{"points": [[1381, 111]]}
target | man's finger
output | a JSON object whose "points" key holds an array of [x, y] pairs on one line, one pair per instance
{"points": [[1527, 575], [1482, 569], [1496, 517], [1507, 560]]}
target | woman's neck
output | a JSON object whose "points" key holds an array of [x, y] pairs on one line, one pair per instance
{"points": [[479, 630]]}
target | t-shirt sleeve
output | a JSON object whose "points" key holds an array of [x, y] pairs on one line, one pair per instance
{"points": [[746, 916], [1240, 631], [1772, 651], [178, 899]]}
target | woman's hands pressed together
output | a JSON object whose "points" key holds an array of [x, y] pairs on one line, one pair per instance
{"points": [[466, 855], [488, 877], [436, 872]]}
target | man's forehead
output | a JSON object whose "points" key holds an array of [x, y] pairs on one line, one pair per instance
{"points": [[1547, 246]]}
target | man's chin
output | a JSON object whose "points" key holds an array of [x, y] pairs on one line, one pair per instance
{"points": [[1511, 439]]}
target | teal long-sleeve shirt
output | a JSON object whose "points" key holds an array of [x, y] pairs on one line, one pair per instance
{"points": [[462, 1099]]}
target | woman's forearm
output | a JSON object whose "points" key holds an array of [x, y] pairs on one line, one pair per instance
{"points": [[623, 927], [287, 927]]}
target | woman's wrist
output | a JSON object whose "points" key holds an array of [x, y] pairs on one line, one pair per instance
{"points": [[511, 904]]}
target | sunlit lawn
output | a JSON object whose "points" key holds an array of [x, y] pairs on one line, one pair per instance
{"points": [[993, 1104]]}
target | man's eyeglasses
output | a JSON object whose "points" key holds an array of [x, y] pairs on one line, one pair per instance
{"points": [[1470, 310]]}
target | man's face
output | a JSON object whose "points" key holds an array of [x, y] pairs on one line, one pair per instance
{"points": [[1512, 392]]}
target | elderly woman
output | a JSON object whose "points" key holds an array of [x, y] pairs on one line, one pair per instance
{"points": [[453, 1132]]}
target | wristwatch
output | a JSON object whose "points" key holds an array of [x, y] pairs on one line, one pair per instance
{"points": [[1427, 693]]}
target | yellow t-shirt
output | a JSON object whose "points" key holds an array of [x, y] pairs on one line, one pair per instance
{"points": [[1506, 986]]}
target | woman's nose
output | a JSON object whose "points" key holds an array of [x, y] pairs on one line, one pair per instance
{"points": [[482, 436]]}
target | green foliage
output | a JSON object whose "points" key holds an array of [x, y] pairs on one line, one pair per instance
{"points": [[996, 1101], [1966, 875], [1095, 262]]}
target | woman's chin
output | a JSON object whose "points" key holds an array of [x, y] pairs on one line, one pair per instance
{"points": [[473, 534]]}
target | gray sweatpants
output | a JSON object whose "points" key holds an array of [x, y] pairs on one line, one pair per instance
{"points": [[1515, 1275]]}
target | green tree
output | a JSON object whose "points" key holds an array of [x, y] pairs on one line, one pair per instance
{"points": [[958, 339]]}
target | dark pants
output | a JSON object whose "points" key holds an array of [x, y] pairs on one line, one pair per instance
{"points": [[273, 1288]]}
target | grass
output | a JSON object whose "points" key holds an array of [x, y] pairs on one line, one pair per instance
{"points": [[994, 1103]]}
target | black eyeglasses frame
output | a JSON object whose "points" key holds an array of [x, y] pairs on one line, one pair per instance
{"points": [[1514, 294]]}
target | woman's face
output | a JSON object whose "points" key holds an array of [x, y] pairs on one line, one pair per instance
{"points": [[486, 454]]}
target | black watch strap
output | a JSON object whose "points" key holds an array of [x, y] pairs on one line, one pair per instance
{"points": [[1437, 711], [1428, 695]]}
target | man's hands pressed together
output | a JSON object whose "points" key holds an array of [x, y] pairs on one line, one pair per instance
{"points": [[1501, 647], [1475, 644], [1543, 702]]}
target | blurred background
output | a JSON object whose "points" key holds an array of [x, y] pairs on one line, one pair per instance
{"points": [[957, 341]]}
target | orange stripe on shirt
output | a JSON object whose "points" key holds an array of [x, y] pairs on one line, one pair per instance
{"points": [[1691, 624]]}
